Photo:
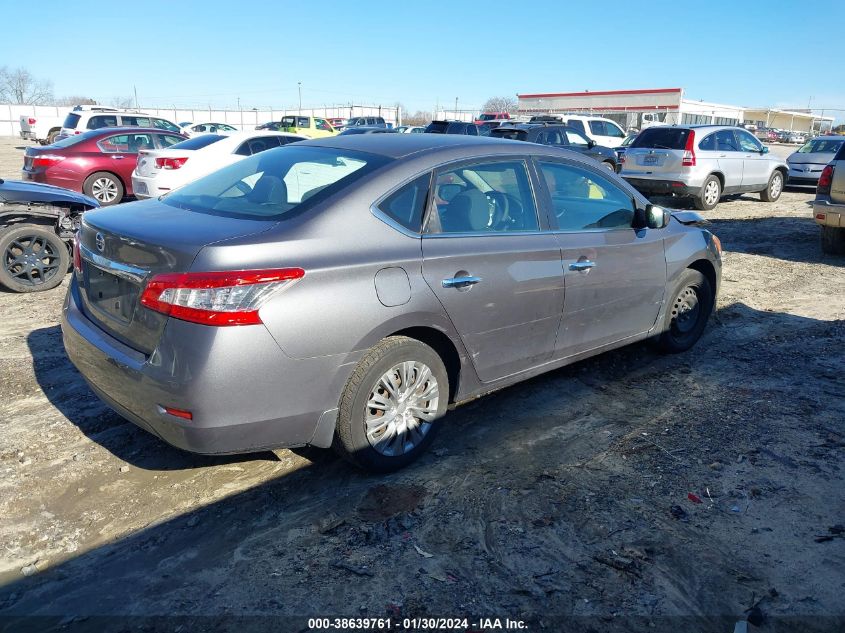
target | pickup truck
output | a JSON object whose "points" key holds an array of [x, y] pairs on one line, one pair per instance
{"points": [[829, 205], [41, 128]]}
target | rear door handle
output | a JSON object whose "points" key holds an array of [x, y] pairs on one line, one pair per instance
{"points": [[582, 266], [460, 282]]}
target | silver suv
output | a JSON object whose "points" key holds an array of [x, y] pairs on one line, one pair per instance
{"points": [[829, 205], [702, 162]]}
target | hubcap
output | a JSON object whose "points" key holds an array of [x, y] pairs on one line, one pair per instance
{"points": [[777, 185], [711, 193], [401, 408], [685, 311], [31, 260], [104, 189]]}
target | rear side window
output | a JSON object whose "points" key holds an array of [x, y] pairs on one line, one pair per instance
{"points": [[198, 142], [407, 204], [138, 121], [662, 138], [70, 121], [840, 155], [103, 120], [708, 143]]}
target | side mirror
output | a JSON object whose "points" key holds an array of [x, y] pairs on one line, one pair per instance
{"points": [[591, 143], [765, 150], [656, 217]]}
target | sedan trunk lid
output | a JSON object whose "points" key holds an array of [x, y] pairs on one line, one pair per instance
{"points": [[123, 247]]}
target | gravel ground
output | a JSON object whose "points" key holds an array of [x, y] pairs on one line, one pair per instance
{"points": [[628, 491]]}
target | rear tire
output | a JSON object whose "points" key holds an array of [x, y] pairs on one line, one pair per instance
{"points": [[33, 258], [833, 240], [609, 166], [51, 137], [403, 382], [104, 187], [774, 188], [691, 303], [709, 195]]}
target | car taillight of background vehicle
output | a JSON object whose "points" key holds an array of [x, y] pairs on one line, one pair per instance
{"points": [[31, 121], [77, 255], [825, 180], [689, 151], [171, 163], [217, 298], [46, 160]]}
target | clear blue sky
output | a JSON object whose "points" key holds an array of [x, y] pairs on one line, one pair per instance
{"points": [[418, 53]]}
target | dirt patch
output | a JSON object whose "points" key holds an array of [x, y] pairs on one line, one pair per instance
{"points": [[625, 491]]}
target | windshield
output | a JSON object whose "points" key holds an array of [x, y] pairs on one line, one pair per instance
{"points": [[276, 183], [662, 138], [822, 146], [487, 117]]}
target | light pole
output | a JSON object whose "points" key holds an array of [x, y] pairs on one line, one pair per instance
{"points": [[456, 108], [299, 86]]}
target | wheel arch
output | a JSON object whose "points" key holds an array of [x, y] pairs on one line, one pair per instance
{"points": [[444, 347], [110, 173], [706, 268], [721, 178]]}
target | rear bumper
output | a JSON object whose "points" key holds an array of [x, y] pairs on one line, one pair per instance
{"points": [[28, 135], [144, 187], [244, 393], [829, 214], [662, 187]]}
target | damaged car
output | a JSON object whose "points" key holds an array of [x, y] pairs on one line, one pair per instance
{"points": [[37, 225]]}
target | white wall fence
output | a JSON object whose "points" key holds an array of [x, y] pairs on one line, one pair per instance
{"points": [[242, 119]]}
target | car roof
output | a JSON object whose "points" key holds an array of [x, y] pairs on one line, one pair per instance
{"points": [[129, 129], [401, 145]]}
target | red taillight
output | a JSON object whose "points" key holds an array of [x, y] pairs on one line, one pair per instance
{"points": [[179, 413], [31, 121], [46, 160], [171, 163], [216, 298], [622, 158], [77, 132], [825, 180], [689, 151], [77, 256]]}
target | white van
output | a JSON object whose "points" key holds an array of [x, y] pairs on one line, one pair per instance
{"points": [[603, 131]]}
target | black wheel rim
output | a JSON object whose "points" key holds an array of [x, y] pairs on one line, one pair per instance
{"points": [[686, 312], [31, 260]]}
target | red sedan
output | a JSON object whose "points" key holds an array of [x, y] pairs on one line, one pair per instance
{"points": [[98, 163]]}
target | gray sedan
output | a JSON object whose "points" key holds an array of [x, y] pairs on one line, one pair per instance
{"points": [[344, 292], [806, 164]]}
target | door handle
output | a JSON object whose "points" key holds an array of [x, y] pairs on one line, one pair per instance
{"points": [[117, 157], [460, 282], [582, 266]]}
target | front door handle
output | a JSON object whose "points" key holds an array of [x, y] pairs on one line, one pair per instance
{"points": [[583, 266], [117, 157], [460, 282]]}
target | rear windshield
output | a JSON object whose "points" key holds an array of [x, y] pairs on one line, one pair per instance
{"points": [[275, 184], [198, 142], [662, 138], [511, 133], [437, 127], [73, 140], [71, 120], [822, 146]]}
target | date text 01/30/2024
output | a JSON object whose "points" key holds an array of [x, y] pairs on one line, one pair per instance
{"points": [[465, 625]]}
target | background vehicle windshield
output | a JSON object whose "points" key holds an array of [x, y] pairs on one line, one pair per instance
{"points": [[511, 133], [198, 142], [662, 138], [821, 146], [272, 184]]}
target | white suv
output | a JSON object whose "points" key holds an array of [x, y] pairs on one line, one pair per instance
{"points": [[603, 131], [84, 118]]}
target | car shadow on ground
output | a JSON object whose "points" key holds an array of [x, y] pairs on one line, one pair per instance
{"points": [[69, 393], [327, 539]]}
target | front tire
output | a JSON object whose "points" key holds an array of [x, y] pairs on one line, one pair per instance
{"points": [[104, 187], [774, 188], [833, 240], [609, 166], [686, 316], [34, 258], [390, 408], [709, 195]]}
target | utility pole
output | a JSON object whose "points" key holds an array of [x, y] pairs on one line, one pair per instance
{"points": [[299, 86], [136, 96], [456, 108]]}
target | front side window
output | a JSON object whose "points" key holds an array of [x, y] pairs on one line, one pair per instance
{"points": [[322, 124], [103, 120], [303, 121], [407, 204], [275, 185], [574, 138], [611, 129], [493, 197], [748, 143], [584, 201], [165, 125]]}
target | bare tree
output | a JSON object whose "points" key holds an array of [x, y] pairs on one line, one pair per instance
{"points": [[19, 86], [123, 103], [499, 104], [75, 100], [420, 117]]}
